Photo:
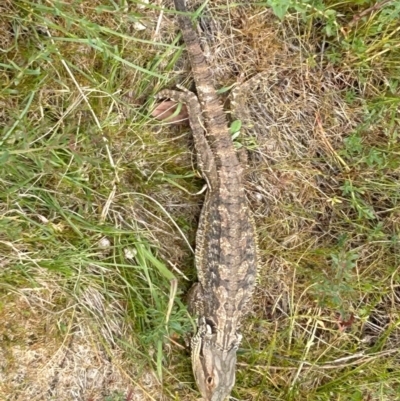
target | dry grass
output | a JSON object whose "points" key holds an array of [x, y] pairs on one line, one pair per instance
{"points": [[98, 212], [49, 352]]}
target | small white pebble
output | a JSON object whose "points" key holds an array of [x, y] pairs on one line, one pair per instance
{"points": [[43, 219], [104, 243], [138, 26], [259, 197], [130, 253]]}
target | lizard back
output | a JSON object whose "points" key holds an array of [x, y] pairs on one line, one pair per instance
{"points": [[226, 259]]}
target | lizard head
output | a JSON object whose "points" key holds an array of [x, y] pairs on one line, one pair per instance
{"points": [[213, 369]]}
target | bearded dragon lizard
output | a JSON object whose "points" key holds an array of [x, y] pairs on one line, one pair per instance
{"points": [[226, 246]]}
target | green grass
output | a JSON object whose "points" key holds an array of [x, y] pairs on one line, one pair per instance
{"points": [[99, 213]]}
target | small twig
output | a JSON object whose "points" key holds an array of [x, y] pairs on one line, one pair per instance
{"points": [[369, 10], [328, 145], [343, 362], [174, 268]]}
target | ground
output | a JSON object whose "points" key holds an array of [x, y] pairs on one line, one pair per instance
{"points": [[100, 201]]}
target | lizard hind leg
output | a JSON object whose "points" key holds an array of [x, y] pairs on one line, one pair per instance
{"points": [[194, 300], [205, 157]]}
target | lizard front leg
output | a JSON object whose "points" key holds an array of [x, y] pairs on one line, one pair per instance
{"points": [[205, 157]]}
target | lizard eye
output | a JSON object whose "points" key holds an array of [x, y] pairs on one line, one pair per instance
{"points": [[209, 380]]}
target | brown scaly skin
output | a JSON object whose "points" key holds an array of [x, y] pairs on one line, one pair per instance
{"points": [[226, 248]]}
